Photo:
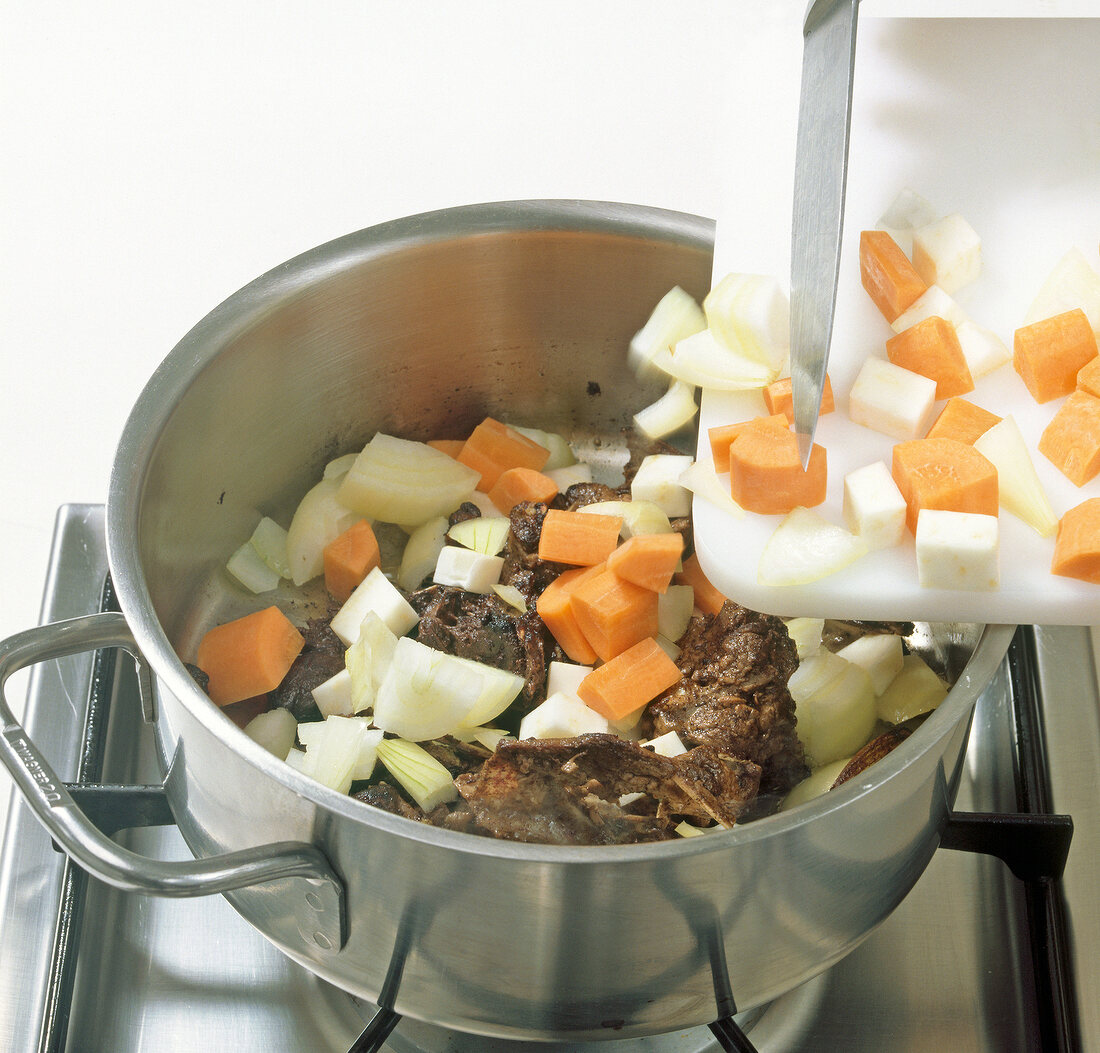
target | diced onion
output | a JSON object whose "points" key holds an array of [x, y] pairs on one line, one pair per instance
{"points": [[318, 519], [750, 314], [675, 317], [269, 541], [702, 480], [834, 706], [368, 659], [400, 481], [1018, 486], [421, 551], [484, 534], [804, 548], [639, 517], [675, 408], [702, 361], [422, 777], [426, 694], [512, 596], [251, 571], [274, 730]]}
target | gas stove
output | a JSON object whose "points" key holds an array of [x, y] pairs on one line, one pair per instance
{"points": [[975, 958]]}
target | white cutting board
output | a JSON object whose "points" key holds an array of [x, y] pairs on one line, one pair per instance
{"points": [[996, 119]]}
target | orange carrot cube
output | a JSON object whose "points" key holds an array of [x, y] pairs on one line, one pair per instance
{"points": [[779, 398], [944, 474], [248, 656], [707, 598], [1088, 377], [522, 484], [629, 681], [1071, 441], [932, 349], [723, 435], [580, 538], [889, 277], [766, 473], [493, 448], [1077, 548], [1049, 354], [962, 420], [613, 614]]}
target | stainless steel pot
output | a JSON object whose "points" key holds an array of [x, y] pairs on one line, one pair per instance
{"points": [[420, 327]]}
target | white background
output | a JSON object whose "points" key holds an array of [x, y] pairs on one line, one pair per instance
{"points": [[155, 157]]}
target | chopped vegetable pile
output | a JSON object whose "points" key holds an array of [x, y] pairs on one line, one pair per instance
{"points": [[545, 660]]}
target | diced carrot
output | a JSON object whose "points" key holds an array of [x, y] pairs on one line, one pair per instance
{"points": [[248, 656], [1049, 354], [1071, 441], [1088, 377], [493, 448], [648, 560], [1077, 549], [723, 435], [779, 398], [349, 558], [627, 682], [766, 473], [522, 484], [555, 608], [932, 349], [451, 447], [890, 279], [707, 598], [580, 538], [613, 614], [944, 474], [962, 420]]}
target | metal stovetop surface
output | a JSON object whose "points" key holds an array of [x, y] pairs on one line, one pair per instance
{"points": [[949, 970]]}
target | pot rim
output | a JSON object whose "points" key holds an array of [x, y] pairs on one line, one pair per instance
{"points": [[168, 385]]}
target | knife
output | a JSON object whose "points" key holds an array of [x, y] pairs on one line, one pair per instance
{"points": [[821, 169]]}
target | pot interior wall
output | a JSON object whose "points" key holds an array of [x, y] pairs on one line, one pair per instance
{"points": [[422, 340]]}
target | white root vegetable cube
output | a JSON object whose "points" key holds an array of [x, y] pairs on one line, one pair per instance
{"points": [[667, 745], [658, 481], [880, 654], [565, 677], [957, 550], [275, 730], [675, 317], [374, 593], [750, 313], [907, 211], [674, 609], [466, 569], [983, 349], [933, 301], [891, 400], [948, 252], [915, 690], [873, 506], [566, 476], [561, 716], [675, 408], [334, 695]]}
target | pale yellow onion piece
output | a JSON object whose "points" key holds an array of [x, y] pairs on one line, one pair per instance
{"points": [[561, 453], [339, 467], [319, 518], [511, 596], [676, 316], [269, 541], [805, 633], [685, 829], [834, 706], [421, 551], [1018, 486], [704, 362], [368, 659], [675, 408], [703, 482], [484, 534], [339, 750], [804, 548], [424, 778], [247, 566], [750, 313], [639, 517], [1072, 283], [915, 690], [275, 730], [814, 785], [400, 481]]}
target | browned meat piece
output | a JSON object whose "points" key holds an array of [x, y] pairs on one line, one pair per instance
{"points": [[318, 636], [465, 511], [389, 799], [522, 567], [874, 751], [733, 695], [312, 667], [837, 634], [566, 791], [486, 629], [580, 494], [457, 757]]}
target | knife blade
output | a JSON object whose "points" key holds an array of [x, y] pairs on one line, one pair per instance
{"points": [[821, 171]]}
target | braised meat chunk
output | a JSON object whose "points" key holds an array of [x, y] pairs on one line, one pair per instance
{"points": [[733, 695], [568, 791]]}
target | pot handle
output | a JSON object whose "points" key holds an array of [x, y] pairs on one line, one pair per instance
{"points": [[321, 911]]}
